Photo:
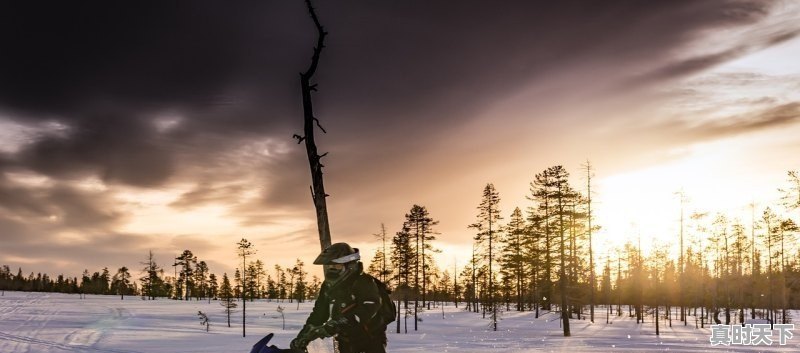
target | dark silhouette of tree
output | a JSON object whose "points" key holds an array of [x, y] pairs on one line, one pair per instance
{"points": [[237, 280], [420, 226], [300, 285], [562, 196], [122, 281], [513, 258], [379, 267], [404, 259], [282, 284], [151, 283], [200, 280], [488, 226], [588, 168], [681, 301], [227, 297], [104, 283], [5, 279], [739, 247], [770, 220], [213, 287], [783, 235], [541, 219], [244, 248], [309, 120], [384, 271], [187, 262]]}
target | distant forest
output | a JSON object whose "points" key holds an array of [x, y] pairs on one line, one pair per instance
{"points": [[726, 270], [192, 280]]}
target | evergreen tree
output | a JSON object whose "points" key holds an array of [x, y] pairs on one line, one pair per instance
{"points": [[200, 280], [513, 257], [213, 287], [244, 249], [383, 271], [300, 285], [540, 218], [187, 262], [488, 226], [150, 281], [556, 206], [420, 226], [227, 297], [122, 281]]}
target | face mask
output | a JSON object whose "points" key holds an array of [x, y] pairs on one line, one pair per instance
{"points": [[333, 273]]}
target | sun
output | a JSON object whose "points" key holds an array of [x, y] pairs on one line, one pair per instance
{"points": [[647, 205]]}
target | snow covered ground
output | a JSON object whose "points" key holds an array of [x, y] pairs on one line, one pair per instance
{"points": [[51, 322]]}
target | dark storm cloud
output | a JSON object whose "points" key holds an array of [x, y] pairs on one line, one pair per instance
{"points": [[106, 69], [58, 205], [116, 149]]}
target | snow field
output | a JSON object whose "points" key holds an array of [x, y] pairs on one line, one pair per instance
{"points": [[56, 323]]}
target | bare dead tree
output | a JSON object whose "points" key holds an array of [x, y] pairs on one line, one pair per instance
{"points": [[317, 188]]}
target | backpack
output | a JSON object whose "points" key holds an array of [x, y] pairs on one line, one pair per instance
{"points": [[388, 309]]}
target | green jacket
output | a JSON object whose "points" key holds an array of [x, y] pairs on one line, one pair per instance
{"points": [[357, 299]]}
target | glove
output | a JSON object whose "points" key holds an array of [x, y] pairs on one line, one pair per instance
{"points": [[299, 345], [304, 337], [335, 326]]}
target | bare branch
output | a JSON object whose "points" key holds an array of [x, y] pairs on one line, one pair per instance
{"points": [[320, 126], [320, 41]]}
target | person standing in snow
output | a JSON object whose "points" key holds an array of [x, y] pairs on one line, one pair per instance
{"points": [[351, 306]]}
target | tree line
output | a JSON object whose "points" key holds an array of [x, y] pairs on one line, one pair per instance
{"points": [[725, 270], [192, 280]]}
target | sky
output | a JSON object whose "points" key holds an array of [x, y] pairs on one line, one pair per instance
{"points": [[167, 126]]}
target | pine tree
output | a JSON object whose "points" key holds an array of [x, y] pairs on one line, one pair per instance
{"points": [[379, 267], [187, 262], [588, 167], [151, 283], [403, 258], [227, 297], [213, 287], [488, 227], [244, 248], [556, 205], [383, 271], [122, 281], [420, 225], [237, 280], [541, 220], [513, 257], [300, 285], [200, 280]]}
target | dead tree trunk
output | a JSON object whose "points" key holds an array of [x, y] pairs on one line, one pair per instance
{"points": [[317, 188]]}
